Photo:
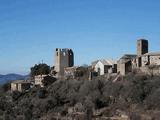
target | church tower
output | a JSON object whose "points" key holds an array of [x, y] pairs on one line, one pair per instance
{"points": [[142, 47]]}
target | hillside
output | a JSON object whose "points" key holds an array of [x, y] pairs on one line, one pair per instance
{"points": [[10, 77], [133, 97]]}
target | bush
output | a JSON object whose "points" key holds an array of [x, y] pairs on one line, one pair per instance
{"points": [[102, 102], [48, 80], [6, 87], [40, 69], [28, 114], [41, 93], [137, 89], [134, 93], [153, 100], [135, 116], [16, 95]]}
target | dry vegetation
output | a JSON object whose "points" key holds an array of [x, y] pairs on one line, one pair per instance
{"points": [[136, 96]]}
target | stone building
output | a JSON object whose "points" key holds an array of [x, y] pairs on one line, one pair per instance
{"points": [[142, 61], [20, 85], [142, 48], [42, 79], [63, 58], [124, 65], [151, 59], [105, 66], [38, 79], [148, 62]]}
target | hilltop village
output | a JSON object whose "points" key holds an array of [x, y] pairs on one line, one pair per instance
{"points": [[142, 62], [126, 89]]}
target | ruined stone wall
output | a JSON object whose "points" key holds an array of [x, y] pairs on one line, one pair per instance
{"points": [[150, 60], [155, 60]]}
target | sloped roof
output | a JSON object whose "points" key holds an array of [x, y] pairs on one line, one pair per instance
{"points": [[111, 61], [128, 56], [107, 62], [104, 62], [94, 62], [20, 81], [152, 53]]}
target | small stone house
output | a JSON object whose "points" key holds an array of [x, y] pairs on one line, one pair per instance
{"points": [[20, 85], [151, 59], [150, 62], [47, 79], [38, 79], [105, 66], [125, 65]]}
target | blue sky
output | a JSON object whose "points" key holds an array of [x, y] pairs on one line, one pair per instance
{"points": [[30, 30]]}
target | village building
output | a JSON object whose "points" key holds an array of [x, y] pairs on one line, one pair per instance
{"points": [[142, 61], [38, 79], [20, 85], [63, 58], [124, 65], [151, 59], [104, 66], [150, 63]]}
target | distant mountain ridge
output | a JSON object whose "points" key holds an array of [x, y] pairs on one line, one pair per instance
{"points": [[12, 76]]}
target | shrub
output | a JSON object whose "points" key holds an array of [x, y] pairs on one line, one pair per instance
{"points": [[41, 93], [102, 102], [6, 87], [40, 69], [16, 95], [48, 80], [153, 100], [135, 116], [28, 114]]}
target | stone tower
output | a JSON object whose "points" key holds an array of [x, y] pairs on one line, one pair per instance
{"points": [[142, 47], [63, 58]]}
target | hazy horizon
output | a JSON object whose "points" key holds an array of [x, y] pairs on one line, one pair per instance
{"points": [[31, 30]]}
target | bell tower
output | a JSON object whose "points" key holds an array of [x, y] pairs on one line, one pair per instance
{"points": [[142, 47]]}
